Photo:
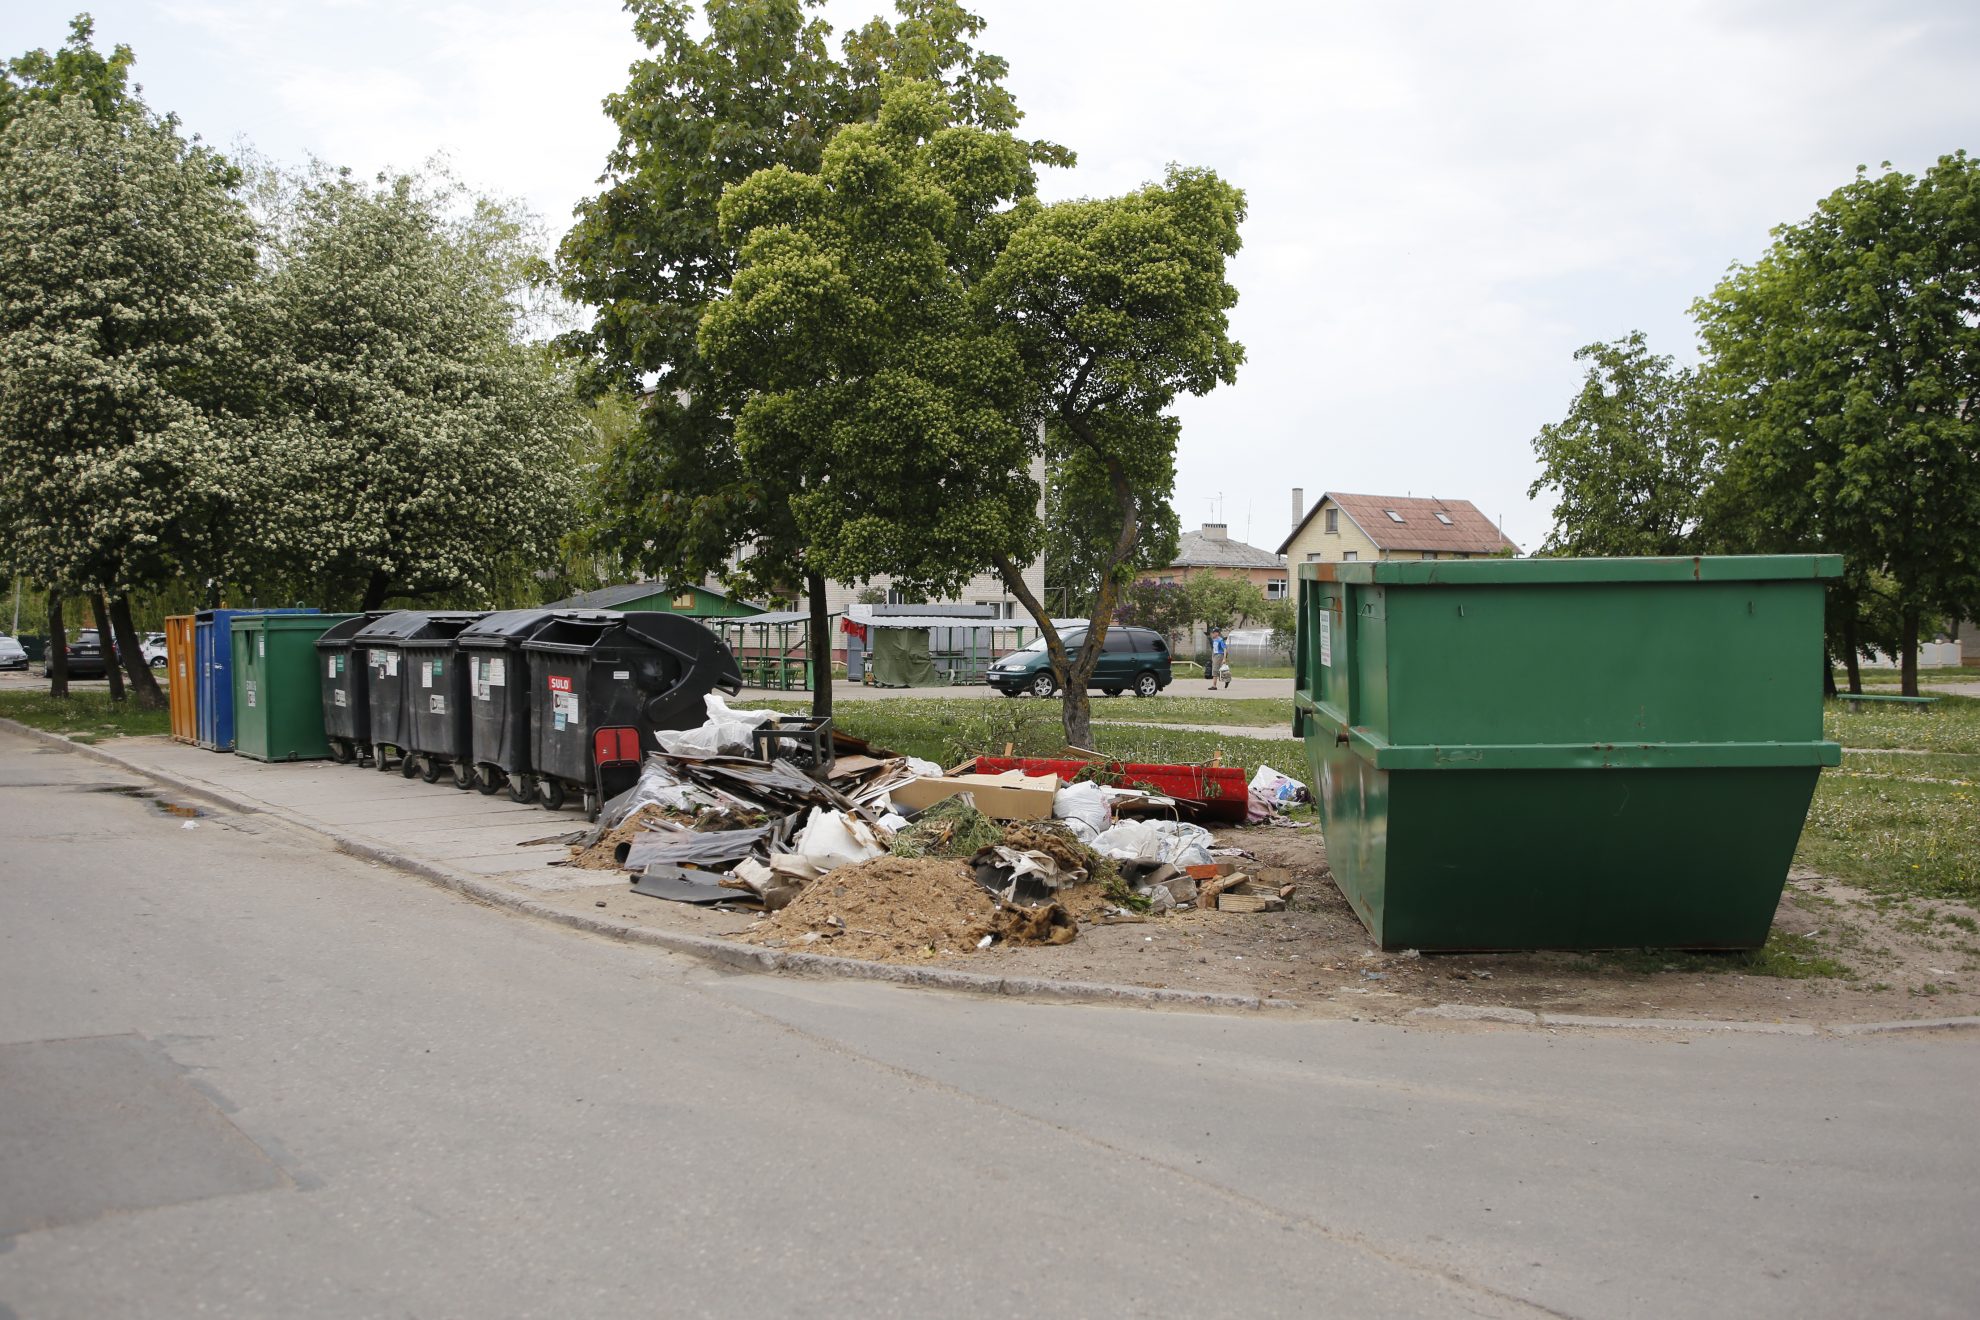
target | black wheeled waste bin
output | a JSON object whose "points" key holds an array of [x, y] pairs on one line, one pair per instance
{"points": [[437, 700], [346, 694], [395, 645], [602, 686], [499, 693]]}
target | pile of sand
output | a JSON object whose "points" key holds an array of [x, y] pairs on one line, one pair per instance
{"points": [[604, 855], [894, 909]]}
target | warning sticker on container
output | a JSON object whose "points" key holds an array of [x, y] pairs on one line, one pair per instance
{"points": [[481, 692], [436, 704], [559, 684], [1326, 639], [439, 666], [426, 674], [330, 667], [496, 675], [249, 690], [391, 662], [621, 675], [565, 706], [261, 645], [340, 697]]}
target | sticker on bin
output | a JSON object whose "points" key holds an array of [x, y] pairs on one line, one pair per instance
{"points": [[392, 662], [1326, 640], [565, 709], [330, 667], [621, 675], [260, 645], [436, 704], [559, 684], [250, 691], [496, 672], [340, 698], [426, 674]]}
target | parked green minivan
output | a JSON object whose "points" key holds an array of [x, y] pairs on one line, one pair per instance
{"points": [[1131, 660]]}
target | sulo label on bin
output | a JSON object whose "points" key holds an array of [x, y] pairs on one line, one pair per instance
{"points": [[559, 683]]}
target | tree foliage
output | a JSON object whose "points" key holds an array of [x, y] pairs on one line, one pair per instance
{"points": [[1845, 364], [408, 442], [1630, 462], [77, 69], [121, 253], [1083, 516], [760, 89]]}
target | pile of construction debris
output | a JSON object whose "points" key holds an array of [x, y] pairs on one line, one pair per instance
{"points": [[853, 850]]}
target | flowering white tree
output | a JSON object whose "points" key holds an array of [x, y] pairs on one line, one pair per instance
{"points": [[122, 250], [407, 441]]}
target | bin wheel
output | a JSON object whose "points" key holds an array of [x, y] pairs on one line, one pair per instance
{"points": [[429, 769], [552, 793], [381, 756], [488, 779], [408, 763], [590, 805], [463, 775], [1044, 686], [522, 789], [1146, 684], [340, 752]]}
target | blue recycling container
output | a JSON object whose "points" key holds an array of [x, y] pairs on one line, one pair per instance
{"points": [[213, 656]]}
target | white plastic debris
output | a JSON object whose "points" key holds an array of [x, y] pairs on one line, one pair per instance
{"points": [[1085, 803], [832, 839], [1172, 841], [725, 733], [893, 821], [924, 769]]}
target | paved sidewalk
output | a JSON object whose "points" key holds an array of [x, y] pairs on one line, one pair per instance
{"points": [[465, 831], [1182, 687]]}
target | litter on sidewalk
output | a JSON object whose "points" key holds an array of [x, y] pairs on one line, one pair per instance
{"points": [[848, 849]]}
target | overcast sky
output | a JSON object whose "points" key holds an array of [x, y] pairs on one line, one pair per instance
{"points": [[1445, 199]]}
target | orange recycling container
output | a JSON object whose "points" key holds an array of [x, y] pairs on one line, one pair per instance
{"points": [[179, 678]]}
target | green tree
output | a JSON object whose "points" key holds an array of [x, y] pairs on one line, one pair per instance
{"points": [[1083, 518], [121, 251], [1118, 306], [77, 69], [1217, 600], [760, 89], [1162, 606], [1845, 362], [1630, 462], [410, 443]]}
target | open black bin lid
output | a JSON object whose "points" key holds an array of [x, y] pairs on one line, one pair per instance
{"points": [[417, 625], [507, 629]]}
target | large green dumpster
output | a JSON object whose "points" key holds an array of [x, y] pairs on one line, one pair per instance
{"points": [[278, 702], [1564, 753]]}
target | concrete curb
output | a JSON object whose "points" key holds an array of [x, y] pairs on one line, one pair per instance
{"points": [[752, 958]]}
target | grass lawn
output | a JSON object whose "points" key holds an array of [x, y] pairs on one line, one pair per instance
{"points": [[1259, 712], [1901, 826], [1952, 724], [86, 716], [1880, 678]]}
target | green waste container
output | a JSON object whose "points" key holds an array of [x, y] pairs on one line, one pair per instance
{"points": [[278, 702], [1563, 753]]}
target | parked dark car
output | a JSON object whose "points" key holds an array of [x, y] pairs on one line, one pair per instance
{"points": [[1131, 660], [86, 657], [12, 654]]}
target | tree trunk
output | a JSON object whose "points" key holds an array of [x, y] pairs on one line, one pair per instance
{"points": [[1908, 671], [57, 663], [103, 641], [1828, 675], [820, 644], [1852, 654], [375, 591], [144, 684]]}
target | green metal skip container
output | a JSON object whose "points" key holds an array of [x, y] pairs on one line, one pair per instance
{"points": [[278, 699], [1563, 753]]}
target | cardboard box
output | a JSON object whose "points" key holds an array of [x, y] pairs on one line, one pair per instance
{"points": [[1012, 795]]}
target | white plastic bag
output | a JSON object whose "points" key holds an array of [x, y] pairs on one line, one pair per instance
{"points": [[1171, 841], [1085, 803], [1276, 787], [725, 733], [832, 839], [924, 769]]}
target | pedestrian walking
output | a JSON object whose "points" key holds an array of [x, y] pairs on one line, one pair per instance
{"points": [[1219, 664]]}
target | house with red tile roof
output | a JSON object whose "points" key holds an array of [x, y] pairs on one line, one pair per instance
{"points": [[1343, 528]]}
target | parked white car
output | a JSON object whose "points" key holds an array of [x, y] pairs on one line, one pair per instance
{"points": [[154, 650], [12, 654]]}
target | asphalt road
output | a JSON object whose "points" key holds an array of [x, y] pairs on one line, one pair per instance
{"points": [[241, 1075]]}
